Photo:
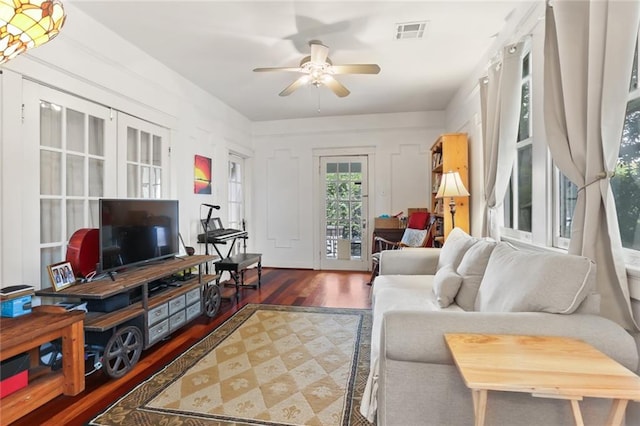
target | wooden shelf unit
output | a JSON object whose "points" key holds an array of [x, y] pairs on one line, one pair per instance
{"points": [[450, 152], [25, 334]]}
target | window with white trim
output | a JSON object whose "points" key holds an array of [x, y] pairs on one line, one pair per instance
{"points": [[236, 191], [518, 199]]}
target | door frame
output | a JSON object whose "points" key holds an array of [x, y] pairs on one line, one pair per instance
{"points": [[367, 151]]}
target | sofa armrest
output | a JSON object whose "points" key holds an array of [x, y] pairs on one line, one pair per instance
{"points": [[419, 336], [409, 261]]}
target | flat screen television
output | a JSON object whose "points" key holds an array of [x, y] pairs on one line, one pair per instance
{"points": [[134, 232]]}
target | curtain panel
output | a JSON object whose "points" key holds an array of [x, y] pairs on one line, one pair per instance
{"points": [[589, 49], [500, 99]]}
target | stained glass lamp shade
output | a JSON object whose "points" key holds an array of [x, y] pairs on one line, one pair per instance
{"points": [[25, 24]]}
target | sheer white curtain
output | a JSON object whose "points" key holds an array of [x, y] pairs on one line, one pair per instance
{"points": [[589, 49], [500, 98]]}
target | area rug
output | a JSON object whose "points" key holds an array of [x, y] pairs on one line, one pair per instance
{"points": [[266, 365]]}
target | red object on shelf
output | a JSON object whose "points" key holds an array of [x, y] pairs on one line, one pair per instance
{"points": [[14, 383], [82, 251]]}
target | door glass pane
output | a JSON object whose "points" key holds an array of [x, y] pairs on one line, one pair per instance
{"points": [[96, 136], [145, 148], [75, 216], [157, 150], [48, 256], [132, 181], [75, 131], [343, 201], [145, 182], [132, 144], [50, 173], [157, 183], [75, 175], [94, 214], [50, 125], [50, 221], [96, 177]]}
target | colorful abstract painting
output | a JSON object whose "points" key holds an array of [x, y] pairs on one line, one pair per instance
{"points": [[202, 178]]}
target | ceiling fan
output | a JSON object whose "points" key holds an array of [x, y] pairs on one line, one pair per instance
{"points": [[317, 69]]}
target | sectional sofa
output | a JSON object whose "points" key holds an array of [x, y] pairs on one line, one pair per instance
{"points": [[477, 286]]}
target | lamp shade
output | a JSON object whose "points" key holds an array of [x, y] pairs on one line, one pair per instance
{"points": [[451, 186], [25, 24]]}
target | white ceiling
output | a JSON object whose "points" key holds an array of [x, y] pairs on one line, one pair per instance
{"points": [[216, 45]]}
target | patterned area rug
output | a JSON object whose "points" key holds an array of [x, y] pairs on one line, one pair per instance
{"points": [[266, 365]]}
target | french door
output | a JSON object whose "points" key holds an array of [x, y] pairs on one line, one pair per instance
{"points": [[344, 206]]}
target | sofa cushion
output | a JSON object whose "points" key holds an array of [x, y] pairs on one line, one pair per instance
{"points": [[523, 281], [454, 248], [446, 283], [472, 269]]}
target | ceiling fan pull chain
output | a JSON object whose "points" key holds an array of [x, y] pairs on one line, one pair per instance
{"points": [[318, 91]]}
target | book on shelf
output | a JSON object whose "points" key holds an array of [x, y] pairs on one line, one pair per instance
{"points": [[14, 291]]}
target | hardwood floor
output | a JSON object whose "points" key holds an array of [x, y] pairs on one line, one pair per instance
{"points": [[279, 287]]}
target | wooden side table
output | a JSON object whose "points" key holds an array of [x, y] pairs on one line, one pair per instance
{"points": [[25, 334], [544, 366]]}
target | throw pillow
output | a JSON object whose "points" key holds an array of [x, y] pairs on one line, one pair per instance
{"points": [[413, 237], [418, 220], [446, 283], [523, 281], [472, 269], [454, 248]]}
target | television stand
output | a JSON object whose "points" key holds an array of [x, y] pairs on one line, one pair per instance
{"points": [[149, 316]]}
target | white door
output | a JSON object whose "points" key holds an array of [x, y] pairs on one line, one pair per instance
{"points": [[344, 203]]}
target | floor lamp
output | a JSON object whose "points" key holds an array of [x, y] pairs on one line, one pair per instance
{"points": [[452, 186]]}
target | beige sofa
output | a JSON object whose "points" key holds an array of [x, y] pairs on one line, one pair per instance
{"points": [[477, 286]]}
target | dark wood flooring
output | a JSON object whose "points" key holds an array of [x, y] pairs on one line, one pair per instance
{"points": [[279, 287]]}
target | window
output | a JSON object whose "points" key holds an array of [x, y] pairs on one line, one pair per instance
{"points": [[625, 184], [72, 175], [236, 192], [518, 199], [143, 158]]}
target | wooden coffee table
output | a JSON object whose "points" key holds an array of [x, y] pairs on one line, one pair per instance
{"points": [[544, 366]]}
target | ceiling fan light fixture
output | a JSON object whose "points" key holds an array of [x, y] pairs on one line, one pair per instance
{"points": [[25, 24], [318, 70]]}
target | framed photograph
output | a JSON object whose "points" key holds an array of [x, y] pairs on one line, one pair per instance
{"points": [[61, 275]]}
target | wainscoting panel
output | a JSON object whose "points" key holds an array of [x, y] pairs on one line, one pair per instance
{"points": [[409, 177], [283, 199]]}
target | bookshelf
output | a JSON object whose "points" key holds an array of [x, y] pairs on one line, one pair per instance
{"points": [[450, 152]]}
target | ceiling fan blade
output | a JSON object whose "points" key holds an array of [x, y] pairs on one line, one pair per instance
{"points": [[289, 69], [319, 53], [356, 69], [295, 85], [335, 86]]}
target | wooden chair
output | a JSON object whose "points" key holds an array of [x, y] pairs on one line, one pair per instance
{"points": [[410, 238]]}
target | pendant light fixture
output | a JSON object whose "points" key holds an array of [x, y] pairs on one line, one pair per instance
{"points": [[25, 24]]}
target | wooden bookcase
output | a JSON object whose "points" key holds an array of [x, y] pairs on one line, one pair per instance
{"points": [[450, 152]]}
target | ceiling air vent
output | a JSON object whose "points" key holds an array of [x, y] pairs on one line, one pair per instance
{"points": [[410, 30]]}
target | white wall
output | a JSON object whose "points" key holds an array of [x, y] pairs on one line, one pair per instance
{"points": [[398, 147], [91, 62]]}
